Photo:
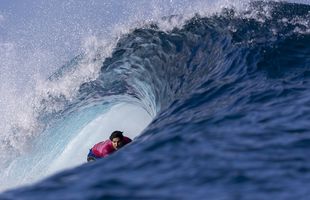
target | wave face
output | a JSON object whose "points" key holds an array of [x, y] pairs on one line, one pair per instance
{"points": [[229, 99]]}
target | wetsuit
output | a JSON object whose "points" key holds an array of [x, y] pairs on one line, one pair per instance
{"points": [[103, 149]]}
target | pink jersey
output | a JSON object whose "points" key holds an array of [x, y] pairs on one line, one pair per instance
{"points": [[105, 148]]}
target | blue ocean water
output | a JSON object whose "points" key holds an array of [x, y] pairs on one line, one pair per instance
{"points": [[229, 99]]}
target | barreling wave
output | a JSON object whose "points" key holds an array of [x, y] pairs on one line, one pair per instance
{"points": [[229, 98]]}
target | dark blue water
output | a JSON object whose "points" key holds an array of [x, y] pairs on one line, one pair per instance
{"points": [[232, 96]]}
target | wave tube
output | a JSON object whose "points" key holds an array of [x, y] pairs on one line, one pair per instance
{"points": [[67, 143]]}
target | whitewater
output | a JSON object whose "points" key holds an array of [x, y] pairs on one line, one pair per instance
{"points": [[215, 95]]}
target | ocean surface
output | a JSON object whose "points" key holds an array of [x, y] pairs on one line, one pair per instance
{"points": [[218, 106]]}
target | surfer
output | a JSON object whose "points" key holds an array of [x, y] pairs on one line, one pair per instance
{"points": [[105, 148]]}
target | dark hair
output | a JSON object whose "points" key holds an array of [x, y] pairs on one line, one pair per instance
{"points": [[116, 134]]}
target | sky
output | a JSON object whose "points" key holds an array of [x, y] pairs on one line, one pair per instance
{"points": [[55, 27]]}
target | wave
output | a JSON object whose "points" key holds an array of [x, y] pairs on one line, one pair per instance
{"points": [[227, 96]]}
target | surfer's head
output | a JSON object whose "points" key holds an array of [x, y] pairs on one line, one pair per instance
{"points": [[117, 139]]}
